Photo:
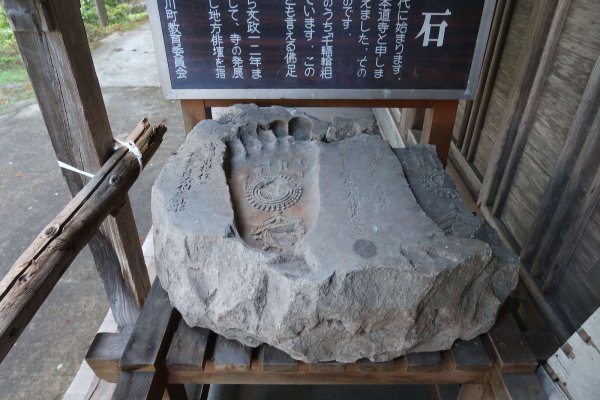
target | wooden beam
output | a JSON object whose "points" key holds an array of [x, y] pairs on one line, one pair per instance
{"points": [[53, 43], [194, 111], [495, 44], [438, 125], [535, 40], [480, 108], [530, 109], [151, 336], [36, 272], [140, 386], [566, 176]]}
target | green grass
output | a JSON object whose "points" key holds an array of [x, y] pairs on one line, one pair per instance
{"points": [[14, 82]]}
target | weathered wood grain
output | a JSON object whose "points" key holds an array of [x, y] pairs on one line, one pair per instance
{"points": [[566, 182], [388, 128], [437, 126], [38, 269], [470, 355], [139, 386], [273, 359], [53, 43], [104, 353], [523, 125], [149, 341], [231, 355], [188, 348], [519, 82], [510, 350]]}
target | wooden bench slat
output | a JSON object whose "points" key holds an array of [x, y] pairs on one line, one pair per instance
{"points": [[327, 367], [426, 361], [188, 348], [152, 333], [104, 353], [470, 355], [273, 359], [369, 366], [231, 355], [510, 350]]}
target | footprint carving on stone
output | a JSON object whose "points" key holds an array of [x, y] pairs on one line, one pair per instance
{"points": [[273, 180]]}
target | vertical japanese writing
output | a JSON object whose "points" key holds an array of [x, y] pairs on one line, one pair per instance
{"points": [[237, 61], [309, 19], [348, 11], [309, 31], [253, 30], [327, 41], [363, 37], [400, 31], [290, 41], [383, 25], [216, 39], [175, 35]]}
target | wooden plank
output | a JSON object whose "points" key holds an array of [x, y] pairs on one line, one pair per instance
{"points": [[327, 367], [273, 359], [438, 125], [188, 348], [370, 366], [576, 364], [103, 355], [193, 111], [542, 344], [532, 104], [566, 182], [139, 386], [470, 355], [38, 269], [149, 341], [469, 134], [518, 386], [231, 355], [59, 63], [388, 128], [429, 361], [510, 350], [539, 21]]}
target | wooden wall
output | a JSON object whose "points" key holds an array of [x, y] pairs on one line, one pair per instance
{"points": [[528, 145]]}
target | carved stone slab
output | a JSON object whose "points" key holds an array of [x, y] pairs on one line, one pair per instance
{"points": [[270, 227]]}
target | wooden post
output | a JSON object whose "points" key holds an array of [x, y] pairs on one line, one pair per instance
{"points": [[101, 9], [38, 269], [193, 112], [53, 43], [438, 125]]}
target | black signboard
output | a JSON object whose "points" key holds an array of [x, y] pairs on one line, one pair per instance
{"points": [[320, 48]]}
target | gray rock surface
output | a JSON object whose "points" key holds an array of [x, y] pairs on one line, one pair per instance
{"points": [[264, 232]]}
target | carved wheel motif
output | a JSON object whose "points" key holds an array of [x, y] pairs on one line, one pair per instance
{"points": [[434, 181], [274, 193]]}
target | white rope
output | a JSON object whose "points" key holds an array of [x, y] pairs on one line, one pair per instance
{"points": [[71, 168], [131, 147]]}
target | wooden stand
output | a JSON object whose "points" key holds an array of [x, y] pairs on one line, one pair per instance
{"points": [[163, 352], [437, 125]]}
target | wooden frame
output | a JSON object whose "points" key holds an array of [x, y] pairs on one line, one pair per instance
{"points": [[437, 126]]}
